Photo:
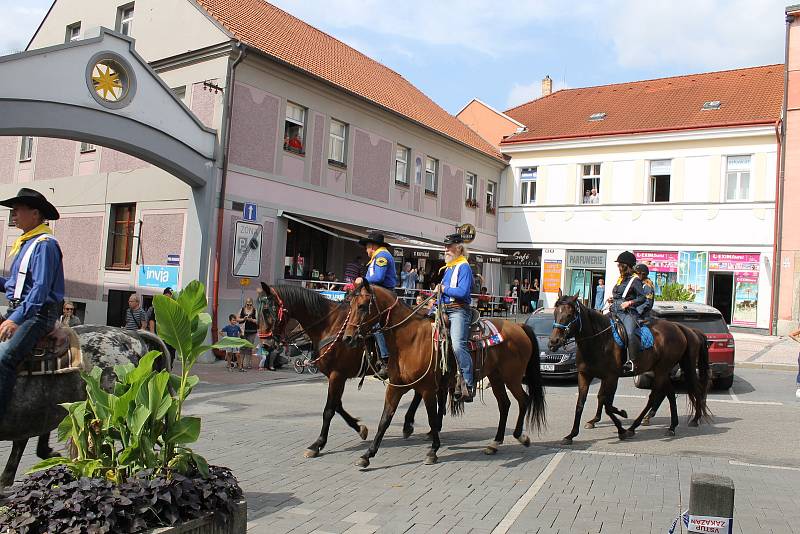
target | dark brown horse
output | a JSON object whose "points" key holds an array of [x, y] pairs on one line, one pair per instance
{"points": [[415, 364], [600, 357]]}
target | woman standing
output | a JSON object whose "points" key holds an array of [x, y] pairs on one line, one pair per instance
{"points": [[535, 293], [525, 296], [249, 321]]}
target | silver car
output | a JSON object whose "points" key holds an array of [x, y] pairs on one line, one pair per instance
{"points": [[558, 363]]}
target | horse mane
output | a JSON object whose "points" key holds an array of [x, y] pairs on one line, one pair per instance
{"points": [[295, 296]]}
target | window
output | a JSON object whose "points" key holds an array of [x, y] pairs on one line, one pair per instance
{"points": [[660, 172], [528, 185], [123, 217], [738, 178], [491, 190], [26, 148], [401, 157], [73, 32], [293, 128], [125, 19], [87, 147], [337, 152], [431, 175], [590, 174], [469, 193]]}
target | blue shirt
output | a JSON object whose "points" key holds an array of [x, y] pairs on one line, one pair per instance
{"points": [[44, 283], [381, 270], [232, 330], [463, 286]]}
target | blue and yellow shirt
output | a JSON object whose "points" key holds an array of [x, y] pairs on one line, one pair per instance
{"points": [[381, 269], [44, 283], [457, 282]]}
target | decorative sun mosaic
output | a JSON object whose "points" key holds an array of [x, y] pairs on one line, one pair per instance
{"points": [[109, 80]]}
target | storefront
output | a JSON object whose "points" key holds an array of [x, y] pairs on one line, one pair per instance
{"points": [[663, 267], [521, 264], [585, 268]]}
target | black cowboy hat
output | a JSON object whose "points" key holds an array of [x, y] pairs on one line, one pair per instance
{"points": [[33, 199], [453, 239], [373, 237], [627, 258]]}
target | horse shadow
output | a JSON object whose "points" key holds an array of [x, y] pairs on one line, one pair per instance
{"points": [[260, 504]]}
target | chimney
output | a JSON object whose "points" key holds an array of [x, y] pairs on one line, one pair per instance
{"points": [[547, 86]]}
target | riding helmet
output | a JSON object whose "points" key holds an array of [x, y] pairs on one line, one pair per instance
{"points": [[627, 258], [641, 268]]}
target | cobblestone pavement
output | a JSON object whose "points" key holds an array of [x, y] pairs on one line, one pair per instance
{"points": [[599, 485]]}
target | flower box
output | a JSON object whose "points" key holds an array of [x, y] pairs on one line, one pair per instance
{"points": [[209, 525]]}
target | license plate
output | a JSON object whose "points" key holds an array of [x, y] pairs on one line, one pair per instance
{"points": [[547, 367]]}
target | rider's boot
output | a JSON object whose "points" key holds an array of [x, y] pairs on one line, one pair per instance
{"points": [[467, 393], [383, 369], [633, 354]]}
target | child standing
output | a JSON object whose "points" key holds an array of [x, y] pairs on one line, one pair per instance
{"points": [[232, 329]]}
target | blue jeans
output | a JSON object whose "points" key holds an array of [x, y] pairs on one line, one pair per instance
{"points": [[14, 350], [459, 336], [381, 341], [631, 322]]}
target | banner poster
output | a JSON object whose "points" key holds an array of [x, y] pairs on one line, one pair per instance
{"points": [[663, 267], [693, 273], [551, 276], [724, 261], [745, 299]]}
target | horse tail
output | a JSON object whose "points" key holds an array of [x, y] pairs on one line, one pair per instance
{"points": [[696, 386], [535, 404]]}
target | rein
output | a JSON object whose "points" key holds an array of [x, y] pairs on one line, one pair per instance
{"points": [[577, 319]]}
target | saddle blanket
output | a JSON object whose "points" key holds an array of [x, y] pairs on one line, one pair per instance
{"points": [[482, 335], [645, 334], [57, 353]]}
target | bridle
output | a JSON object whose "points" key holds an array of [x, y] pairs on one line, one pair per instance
{"points": [[278, 313], [576, 330], [373, 302]]}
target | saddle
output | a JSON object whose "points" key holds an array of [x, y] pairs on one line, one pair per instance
{"points": [[482, 332], [56, 353], [621, 337]]}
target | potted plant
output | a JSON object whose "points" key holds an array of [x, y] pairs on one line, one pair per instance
{"points": [[490, 209], [471, 203], [131, 467]]}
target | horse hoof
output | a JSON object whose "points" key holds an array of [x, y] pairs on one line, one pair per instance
{"points": [[407, 431], [693, 423], [525, 440], [311, 453], [566, 441], [627, 434], [670, 433], [362, 463], [430, 459], [646, 421], [363, 432], [491, 450], [589, 425], [623, 414], [49, 453]]}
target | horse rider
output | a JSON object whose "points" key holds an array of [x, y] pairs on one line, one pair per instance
{"points": [[649, 290], [455, 290], [34, 288], [380, 271], [626, 297]]}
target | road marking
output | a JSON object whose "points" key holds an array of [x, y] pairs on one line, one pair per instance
{"points": [[766, 466], [735, 400], [520, 505], [733, 395], [606, 453]]}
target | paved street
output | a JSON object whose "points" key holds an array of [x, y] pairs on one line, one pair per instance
{"points": [[599, 485]]}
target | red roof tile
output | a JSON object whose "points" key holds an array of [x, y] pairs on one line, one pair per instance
{"points": [[288, 39], [748, 97]]}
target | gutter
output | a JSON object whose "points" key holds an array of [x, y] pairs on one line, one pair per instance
{"points": [[225, 141]]}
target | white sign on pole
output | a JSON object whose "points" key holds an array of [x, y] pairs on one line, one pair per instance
{"points": [[247, 250]]}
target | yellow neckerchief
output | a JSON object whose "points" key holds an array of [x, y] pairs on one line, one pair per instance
{"points": [[30, 234], [457, 261], [375, 254]]}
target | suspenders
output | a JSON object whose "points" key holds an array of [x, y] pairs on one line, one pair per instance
{"points": [[23, 266]]}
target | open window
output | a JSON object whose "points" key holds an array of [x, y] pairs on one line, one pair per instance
{"points": [[469, 192], [527, 177], [590, 180], [401, 157], [123, 223], [294, 128], [431, 175], [659, 181], [337, 152]]}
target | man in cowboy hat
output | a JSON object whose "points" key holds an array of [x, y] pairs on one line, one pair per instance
{"points": [[455, 291], [380, 271], [626, 296], [34, 288]]}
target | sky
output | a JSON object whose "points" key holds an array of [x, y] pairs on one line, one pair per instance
{"points": [[499, 52]]}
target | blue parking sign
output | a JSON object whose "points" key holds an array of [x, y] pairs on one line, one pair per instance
{"points": [[250, 212]]}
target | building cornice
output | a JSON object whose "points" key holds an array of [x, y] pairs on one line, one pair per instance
{"points": [[194, 56]]}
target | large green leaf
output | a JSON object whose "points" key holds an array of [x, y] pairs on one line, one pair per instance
{"points": [[123, 370], [186, 430], [48, 463], [200, 326], [137, 421], [159, 399], [173, 324], [65, 428], [143, 369], [192, 299], [201, 463], [231, 342]]}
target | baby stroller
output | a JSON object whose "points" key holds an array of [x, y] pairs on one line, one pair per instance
{"points": [[296, 348]]}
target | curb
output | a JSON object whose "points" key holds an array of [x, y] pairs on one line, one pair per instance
{"points": [[773, 366]]}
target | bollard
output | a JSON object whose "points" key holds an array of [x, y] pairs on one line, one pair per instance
{"points": [[711, 504]]}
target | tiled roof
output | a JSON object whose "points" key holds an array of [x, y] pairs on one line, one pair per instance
{"points": [[747, 97], [288, 39]]}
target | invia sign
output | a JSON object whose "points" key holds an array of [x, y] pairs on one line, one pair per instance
{"points": [[157, 276]]}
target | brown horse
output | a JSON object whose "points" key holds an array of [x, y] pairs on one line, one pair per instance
{"points": [[600, 357], [416, 365]]}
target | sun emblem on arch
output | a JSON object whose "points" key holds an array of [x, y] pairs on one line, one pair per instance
{"points": [[107, 82]]}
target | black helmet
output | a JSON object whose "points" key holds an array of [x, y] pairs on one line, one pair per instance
{"points": [[627, 258], [641, 268]]}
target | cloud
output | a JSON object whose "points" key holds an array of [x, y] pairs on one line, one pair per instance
{"points": [[521, 93], [17, 26]]}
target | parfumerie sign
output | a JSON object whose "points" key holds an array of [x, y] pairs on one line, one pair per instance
{"points": [[586, 259]]}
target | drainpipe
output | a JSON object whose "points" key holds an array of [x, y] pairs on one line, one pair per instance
{"points": [[779, 179], [226, 134]]}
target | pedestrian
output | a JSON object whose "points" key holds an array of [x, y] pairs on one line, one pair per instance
{"points": [[68, 317], [249, 323], [599, 295], [287, 272], [34, 288], [594, 197], [354, 269], [586, 197], [535, 293], [408, 281], [152, 326], [232, 329], [796, 336], [525, 296], [135, 316]]}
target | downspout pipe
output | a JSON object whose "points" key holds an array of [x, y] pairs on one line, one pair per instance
{"points": [[779, 187], [226, 136]]}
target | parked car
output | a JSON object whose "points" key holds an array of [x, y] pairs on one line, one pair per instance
{"points": [[709, 321], [558, 363]]}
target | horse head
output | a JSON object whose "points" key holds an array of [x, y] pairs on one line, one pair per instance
{"points": [[362, 315], [566, 320], [273, 315]]}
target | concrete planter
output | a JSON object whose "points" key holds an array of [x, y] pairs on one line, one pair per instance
{"points": [[207, 525]]}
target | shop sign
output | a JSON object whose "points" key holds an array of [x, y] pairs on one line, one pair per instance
{"points": [[173, 259], [586, 259], [724, 261], [157, 276], [492, 259], [522, 258], [745, 306], [658, 262], [551, 276], [467, 232], [421, 254], [336, 296]]}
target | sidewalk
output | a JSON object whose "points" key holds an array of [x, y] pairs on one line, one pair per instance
{"points": [[766, 352], [215, 373]]}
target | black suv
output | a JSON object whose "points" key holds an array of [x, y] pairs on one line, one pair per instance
{"points": [[558, 363]]}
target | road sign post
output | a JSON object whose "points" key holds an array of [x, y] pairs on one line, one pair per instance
{"points": [[250, 212], [247, 250]]}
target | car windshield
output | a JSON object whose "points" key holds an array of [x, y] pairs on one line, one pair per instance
{"points": [[542, 324], [706, 323]]}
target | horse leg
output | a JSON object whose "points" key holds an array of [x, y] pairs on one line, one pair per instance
{"points": [[503, 404], [608, 388], [390, 402], [654, 399], [649, 416], [432, 407], [335, 391], [596, 419], [673, 410], [522, 401], [408, 424], [7, 478], [583, 390], [352, 422], [43, 449]]}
